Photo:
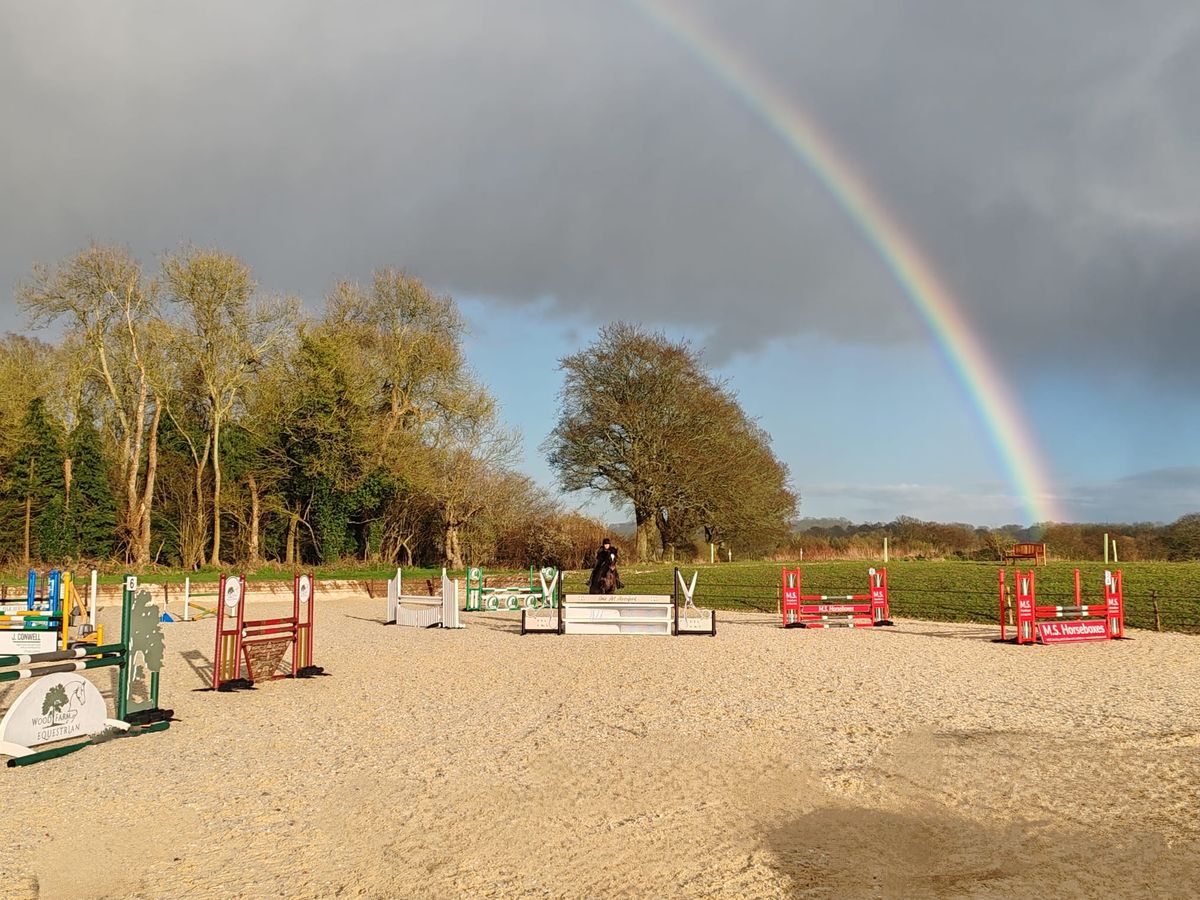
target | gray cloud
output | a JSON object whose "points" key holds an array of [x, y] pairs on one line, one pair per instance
{"points": [[1156, 495], [1047, 156]]}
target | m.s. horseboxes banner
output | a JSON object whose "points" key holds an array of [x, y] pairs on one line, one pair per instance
{"points": [[1073, 632]]}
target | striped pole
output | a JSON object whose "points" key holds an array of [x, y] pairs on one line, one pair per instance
{"points": [[84, 658], [19, 659], [78, 666], [28, 623]]}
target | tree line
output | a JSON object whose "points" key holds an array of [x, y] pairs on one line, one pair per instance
{"points": [[183, 417], [914, 538]]}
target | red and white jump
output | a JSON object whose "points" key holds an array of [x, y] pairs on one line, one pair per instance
{"points": [[260, 644], [867, 610], [1071, 624]]}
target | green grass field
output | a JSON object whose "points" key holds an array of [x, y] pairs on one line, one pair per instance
{"points": [[939, 591]]}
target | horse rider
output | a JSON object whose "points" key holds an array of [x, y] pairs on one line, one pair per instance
{"points": [[607, 555]]}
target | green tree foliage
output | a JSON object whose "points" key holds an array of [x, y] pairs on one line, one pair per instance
{"points": [[32, 516], [181, 519], [226, 334], [1183, 538], [327, 439], [107, 307], [409, 343], [221, 423], [643, 422], [29, 369], [91, 506], [737, 492], [434, 426], [910, 537]]}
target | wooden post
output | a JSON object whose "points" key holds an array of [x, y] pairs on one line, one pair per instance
{"points": [[1157, 612], [1106, 548], [885, 549]]}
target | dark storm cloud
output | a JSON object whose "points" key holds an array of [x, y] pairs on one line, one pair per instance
{"points": [[1047, 156]]}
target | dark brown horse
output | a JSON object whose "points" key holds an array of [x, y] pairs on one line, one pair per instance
{"points": [[604, 578]]}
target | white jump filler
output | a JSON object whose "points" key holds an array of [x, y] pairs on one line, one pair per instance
{"points": [[419, 611]]}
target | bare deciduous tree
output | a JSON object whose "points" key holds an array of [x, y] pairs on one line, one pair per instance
{"points": [[106, 303], [228, 334]]}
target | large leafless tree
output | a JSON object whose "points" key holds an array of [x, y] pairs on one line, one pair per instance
{"points": [[106, 304]]}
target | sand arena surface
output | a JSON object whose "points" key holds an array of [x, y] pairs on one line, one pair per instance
{"points": [[916, 761]]}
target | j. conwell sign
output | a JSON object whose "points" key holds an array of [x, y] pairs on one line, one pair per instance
{"points": [[18, 642]]}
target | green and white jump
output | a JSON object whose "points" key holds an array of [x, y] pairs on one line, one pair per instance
{"points": [[419, 611], [61, 704], [542, 594]]}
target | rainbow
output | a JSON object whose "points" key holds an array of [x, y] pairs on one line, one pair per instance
{"points": [[932, 300]]}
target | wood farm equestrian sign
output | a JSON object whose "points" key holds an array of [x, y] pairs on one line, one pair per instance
{"points": [[54, 708]]}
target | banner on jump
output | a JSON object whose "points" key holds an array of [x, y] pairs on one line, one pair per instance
{"points": [[1073, 632]]}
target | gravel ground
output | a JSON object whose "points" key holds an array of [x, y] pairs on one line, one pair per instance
{"points": [[923, 760]]}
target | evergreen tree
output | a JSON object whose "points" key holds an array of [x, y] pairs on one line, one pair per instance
{"points": [[35, 487], [52, 532], [327, 441], [12, 508], [91, 506]]}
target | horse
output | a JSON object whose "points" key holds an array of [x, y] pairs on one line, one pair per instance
{"points": [[604, 578]]}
